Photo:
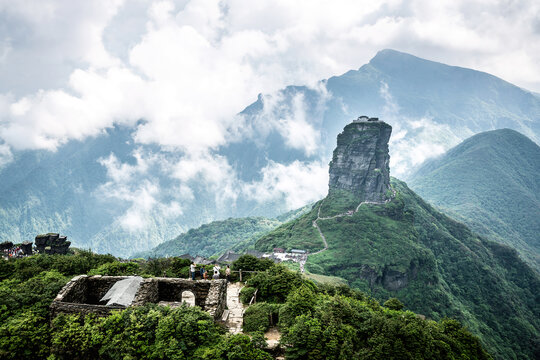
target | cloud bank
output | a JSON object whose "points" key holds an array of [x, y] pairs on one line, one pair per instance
{"points": [[71, 69]]}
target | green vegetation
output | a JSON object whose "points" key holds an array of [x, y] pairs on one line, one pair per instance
{"points": [[434, 265], [339, 201], [29, 285], [490, 182], [149, 332], [313, 319], [214, 238], [327, 322], [296, 234]]}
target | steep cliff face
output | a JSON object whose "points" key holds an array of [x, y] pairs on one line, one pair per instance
{"points": [[361, 161]]}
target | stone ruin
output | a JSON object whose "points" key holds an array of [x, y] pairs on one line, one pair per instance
{"points": [[52, 243], [100, 295]]}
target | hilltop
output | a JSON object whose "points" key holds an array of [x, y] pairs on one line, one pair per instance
{"points": [[217, 236], [491, 182], [435, 265]]}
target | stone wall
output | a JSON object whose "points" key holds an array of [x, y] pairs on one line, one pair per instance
{"points": [[82, 294], [216, 299]]}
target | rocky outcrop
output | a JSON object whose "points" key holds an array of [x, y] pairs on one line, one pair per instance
{"points": [[389, 278], [360, 163], [52, 243]]}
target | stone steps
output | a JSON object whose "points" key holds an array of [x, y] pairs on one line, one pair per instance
{"points": [[235, 310]]}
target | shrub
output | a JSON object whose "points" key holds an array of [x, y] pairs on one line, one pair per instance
{"points": [[276, 283], [300, 301], [24, 336], [393, 304], [260, 316], [235, 347], [251, 263], [246, 294], [117, 268]]}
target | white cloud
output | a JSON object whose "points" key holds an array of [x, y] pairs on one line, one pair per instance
{"points": [[195, 64], [413, 141], [298, 183], [186, 68], [134, 185]]}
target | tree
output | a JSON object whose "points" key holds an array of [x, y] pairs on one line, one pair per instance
{"points": [[393, 304]]}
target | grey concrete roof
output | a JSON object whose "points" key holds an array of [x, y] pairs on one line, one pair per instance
{"points": [[123, 292]]}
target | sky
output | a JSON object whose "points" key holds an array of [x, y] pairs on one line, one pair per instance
{"points": [[71, 68]]}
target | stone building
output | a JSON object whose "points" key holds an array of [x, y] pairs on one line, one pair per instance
{"points": [[101, 294]]}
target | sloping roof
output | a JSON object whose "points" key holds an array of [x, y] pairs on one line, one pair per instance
{"points": [[123, 292], [228, 257], [255, 253], [202, 261], [186, 256]]}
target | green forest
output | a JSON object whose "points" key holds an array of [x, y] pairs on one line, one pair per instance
{"points": [[314, 319], [436, 266], [490, 182]]}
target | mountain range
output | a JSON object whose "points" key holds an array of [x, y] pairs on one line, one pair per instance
{"points": [[491, 182], [113, 194]]}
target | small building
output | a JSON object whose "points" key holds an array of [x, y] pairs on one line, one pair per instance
{"points": [[279, 250], [364, 118], [202, 260], [299, 252], [361, 118], [186, 256], [255, 253], [228, 257]]}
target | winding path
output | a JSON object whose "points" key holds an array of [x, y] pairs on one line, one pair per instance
{"points": [[348, 213]]}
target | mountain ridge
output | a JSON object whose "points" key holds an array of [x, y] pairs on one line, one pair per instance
{"points": [[490, 181], [435, 265], [43, 191]]}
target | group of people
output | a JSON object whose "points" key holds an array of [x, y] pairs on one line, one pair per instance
{"points": [[204, 273], [13, 252]]}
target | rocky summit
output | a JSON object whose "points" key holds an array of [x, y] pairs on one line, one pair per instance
{"points": [[360, 162]]}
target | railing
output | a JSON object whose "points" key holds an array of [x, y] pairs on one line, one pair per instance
{"points": [[245, 271], [253, 298]]}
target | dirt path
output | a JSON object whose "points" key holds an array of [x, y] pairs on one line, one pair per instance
{"points": [[236, 309], [272, 337], [348, 213]]}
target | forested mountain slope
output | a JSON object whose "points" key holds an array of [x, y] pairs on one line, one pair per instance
{"points": [[491, 182]]}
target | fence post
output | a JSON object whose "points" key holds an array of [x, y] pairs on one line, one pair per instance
{"points": [[240, 275]]}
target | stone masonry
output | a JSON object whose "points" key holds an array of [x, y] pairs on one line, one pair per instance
{"points": [[82, 294]]}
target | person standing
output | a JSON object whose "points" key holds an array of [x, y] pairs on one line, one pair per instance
{"points": [[203, 270], [228, 273], [192, 270], [216, 272]]}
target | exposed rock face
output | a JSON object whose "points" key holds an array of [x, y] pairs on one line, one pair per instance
{"points": [[52, 243], [361, 161]]}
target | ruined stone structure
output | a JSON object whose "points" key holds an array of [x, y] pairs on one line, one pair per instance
{"points": [[52, 243], [361, 163], [83, 293]]}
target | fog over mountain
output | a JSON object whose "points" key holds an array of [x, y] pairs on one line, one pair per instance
{"points": [[116, 194]]}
